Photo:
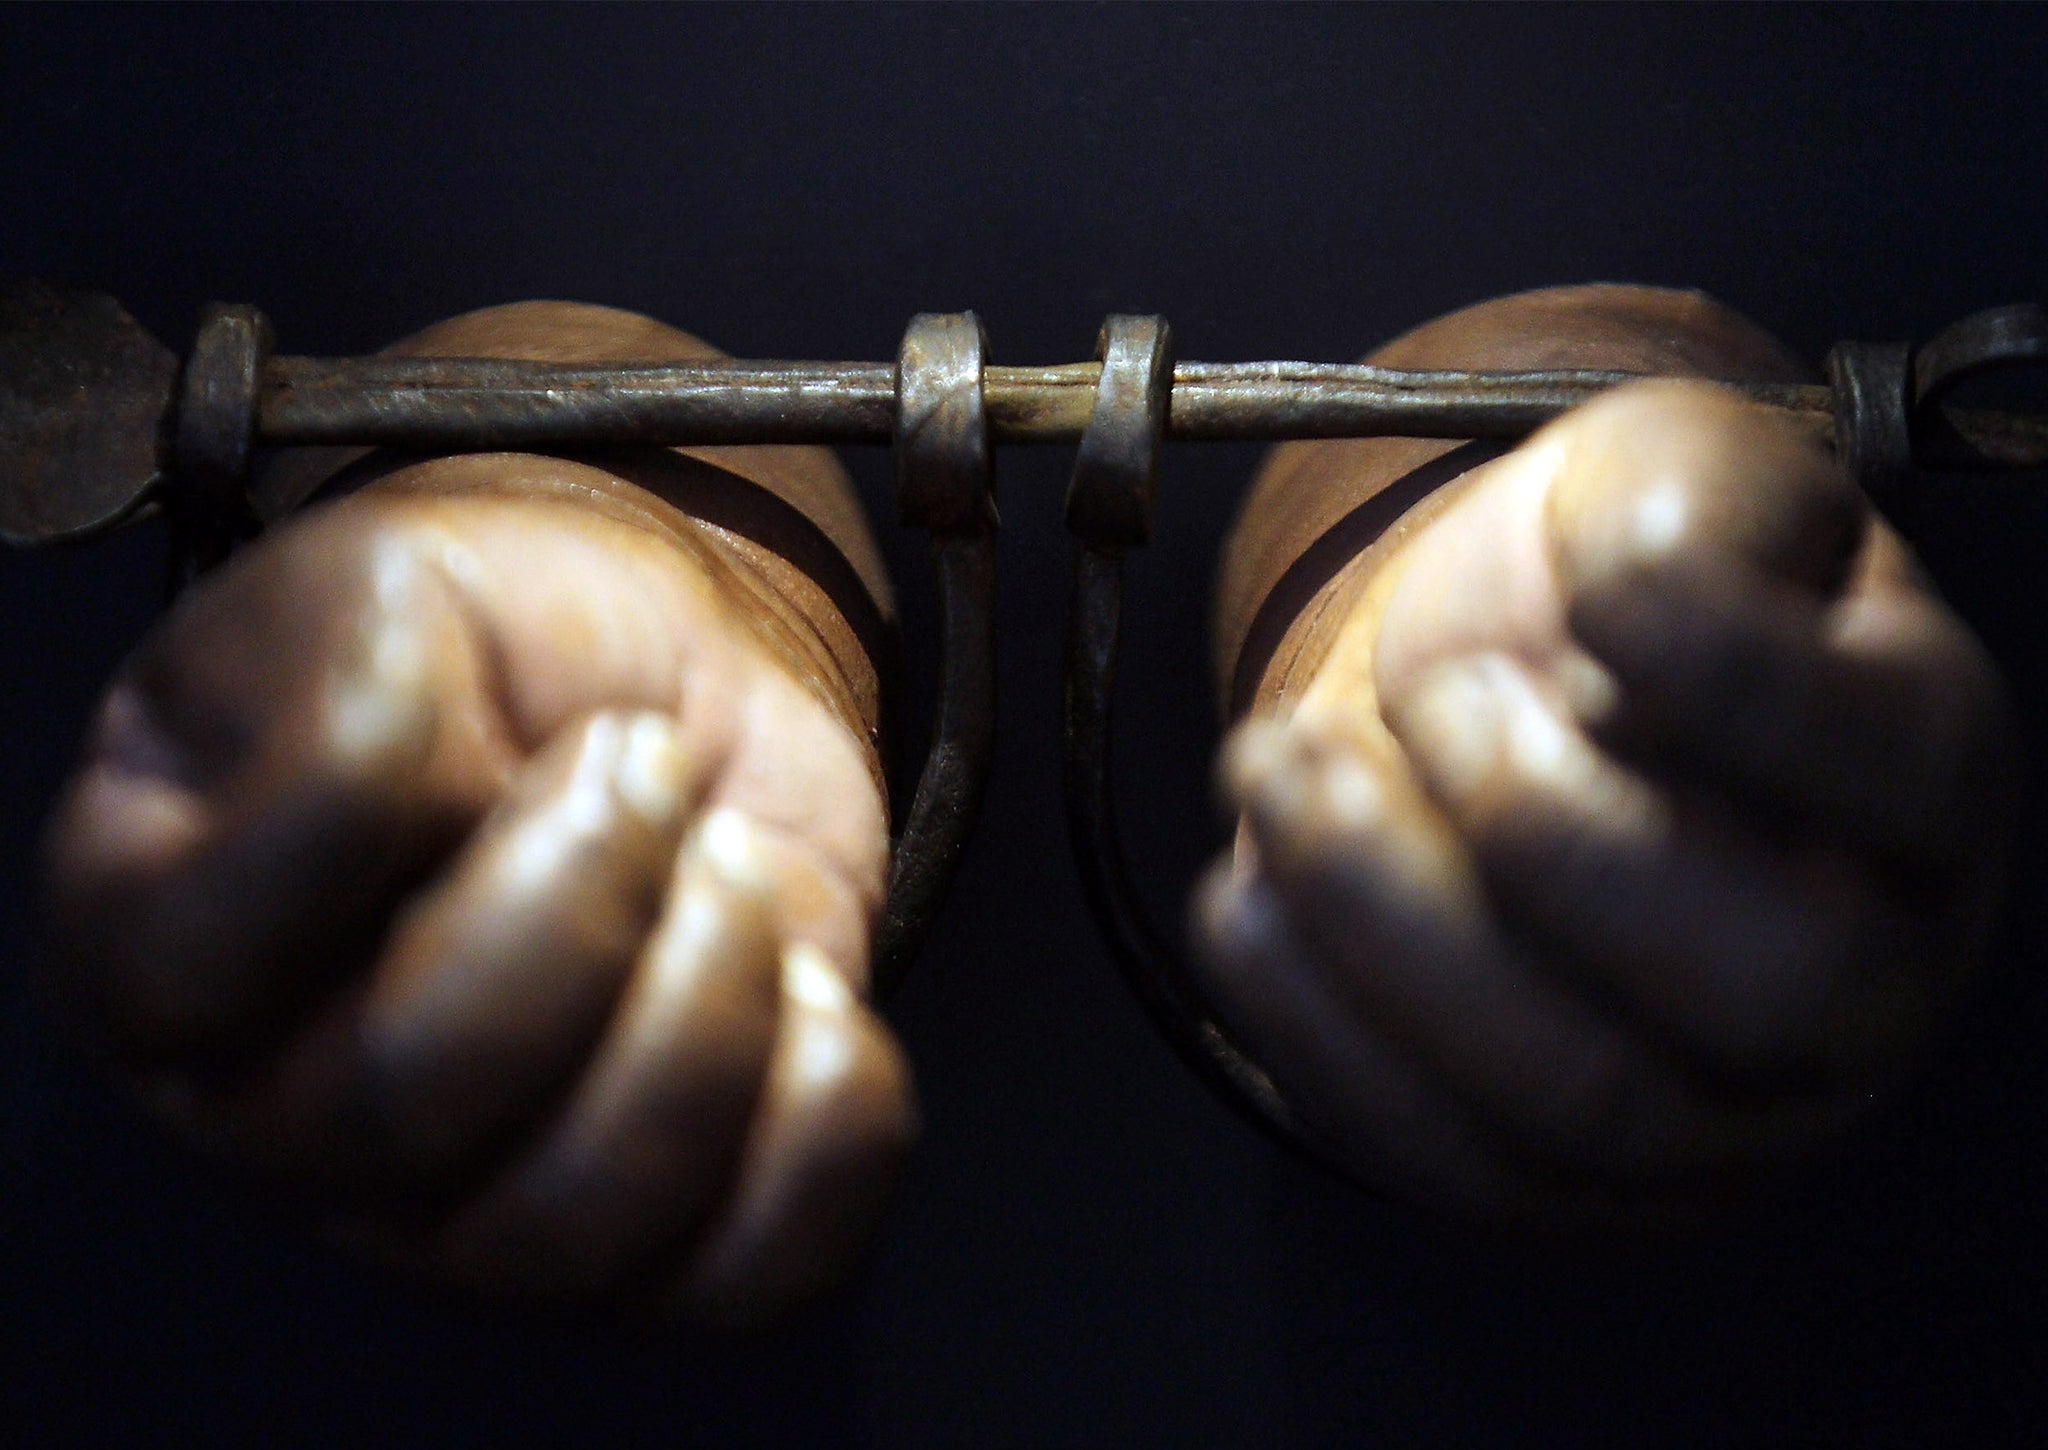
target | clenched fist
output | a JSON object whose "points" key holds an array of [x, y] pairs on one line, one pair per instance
{"points": [[1615, 835], [488, 859]]}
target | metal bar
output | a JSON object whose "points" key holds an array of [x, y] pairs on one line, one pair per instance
{"points": [[469, 403], [1153, 970]]}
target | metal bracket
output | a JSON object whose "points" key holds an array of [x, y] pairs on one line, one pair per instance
{"points": [[215, 435], [945, 483], [1109, 509]]}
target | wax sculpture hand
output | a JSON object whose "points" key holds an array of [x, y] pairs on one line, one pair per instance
{"points": [[487, 864], [1630, 838]]}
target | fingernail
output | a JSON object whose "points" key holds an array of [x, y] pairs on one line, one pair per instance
{"points": [[1634, 539], [731, 845], [1352, 795], [652, 769], [1282, 796], [1590, 692], [1256, 750], [380, 693], [384, 705], [1539, 741], [808, 977]]}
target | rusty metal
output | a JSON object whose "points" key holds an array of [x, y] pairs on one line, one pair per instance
{"points": [[1115, 489], [87, 402], [1998, 337], [215, 435], [1872, 384], [98, 423], [1109, 509], [85, 393], [439, 404], [945, 483]]}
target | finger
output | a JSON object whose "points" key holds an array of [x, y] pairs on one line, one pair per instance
{"points": [[298, 744], [1656, 472], [497, 981], [1878, 722], [1703, 546], [1761, 960], [1371, 1105], [651, 1137], [1384, 896], [828, 1139]]}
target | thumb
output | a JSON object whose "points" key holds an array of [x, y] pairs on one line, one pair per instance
{"points": [[1669, 476]]}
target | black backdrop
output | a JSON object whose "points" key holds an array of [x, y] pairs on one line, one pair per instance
{"points": [[1088, 1251]]}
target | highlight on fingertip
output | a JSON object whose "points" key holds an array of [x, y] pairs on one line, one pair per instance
{"points": [[1255, 752], [809, 978], [730, 844], [653, 768]]}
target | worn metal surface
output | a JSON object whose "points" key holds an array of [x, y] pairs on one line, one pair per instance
{"points": [[1871, 386], [1115, 487], [945, 482], [443, 404], [84, 395], [87, 404], [215, 434], [448, 403], [1109, 507], [1998, 337]]}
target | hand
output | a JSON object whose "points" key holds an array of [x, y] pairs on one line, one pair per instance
{"points": [[464, 859], [1632, 835]]}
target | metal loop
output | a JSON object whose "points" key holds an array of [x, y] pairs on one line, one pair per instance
{"points": [[945, 483], [217, 405], [1114, 493], [216, 431], [1873, 433], [1996, 337], [1109, 508], [943, 474]]}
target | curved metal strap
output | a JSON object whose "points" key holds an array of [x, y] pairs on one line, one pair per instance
{"points": [[1114, 492], [1995, 338], [215, 434], [1872, 384], [945, 483], [1109, 507]]}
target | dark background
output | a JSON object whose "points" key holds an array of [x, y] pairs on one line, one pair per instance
{"points": [[1088, 1251]]}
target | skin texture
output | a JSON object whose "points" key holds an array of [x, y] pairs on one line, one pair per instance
{"points": [[1617, 824], [486, 861]]}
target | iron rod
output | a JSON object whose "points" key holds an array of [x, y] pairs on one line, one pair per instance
{"points": [[470, 403]]}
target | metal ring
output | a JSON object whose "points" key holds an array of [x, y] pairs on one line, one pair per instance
{"points": [[944, 479], [216, 432], [1872, 384], [945, 483], [1109, 507], [1996, 337], [1114, 493]]}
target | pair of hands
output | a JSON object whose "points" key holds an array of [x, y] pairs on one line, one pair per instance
{"points": [[467, 858]]}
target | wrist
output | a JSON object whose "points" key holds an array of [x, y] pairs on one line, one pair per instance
{"points": [[778, 529], [792, 619], [1327, 523]]}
